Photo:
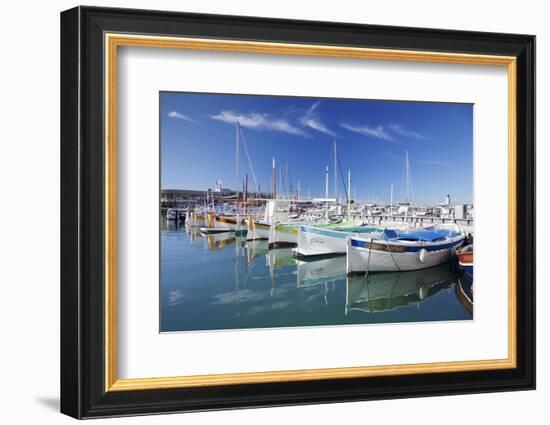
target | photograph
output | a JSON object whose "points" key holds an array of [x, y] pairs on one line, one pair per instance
{"points": [[287, 211], [281, 210]]}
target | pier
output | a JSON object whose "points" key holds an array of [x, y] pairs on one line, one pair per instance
{"points": [[419, 221]]}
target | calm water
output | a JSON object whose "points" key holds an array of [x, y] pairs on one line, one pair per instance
{"points": [[223, 282]]}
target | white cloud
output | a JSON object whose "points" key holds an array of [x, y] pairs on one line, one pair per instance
{"points": [[311, 119], [435, 162], [259, 121], [177, 115], [406, 132], [366, 130]]}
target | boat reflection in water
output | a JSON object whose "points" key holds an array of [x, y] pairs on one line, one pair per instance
{"points": [[219, 281], [216, 241], [321, 271], [256, 248], [378, 292]]}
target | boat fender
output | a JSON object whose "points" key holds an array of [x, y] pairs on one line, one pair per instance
{"points": [[422, 255], [422, 292]]}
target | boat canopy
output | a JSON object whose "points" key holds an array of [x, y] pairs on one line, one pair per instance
{"points": [[424, 235]]}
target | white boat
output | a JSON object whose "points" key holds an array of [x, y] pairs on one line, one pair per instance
{"points": [[402, 251], [194, 219], [283, 235], [314, 240], [257, 229], [287, 234], [224, 223]]}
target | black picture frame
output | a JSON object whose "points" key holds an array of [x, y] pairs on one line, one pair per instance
{"points": [[83, 392]]}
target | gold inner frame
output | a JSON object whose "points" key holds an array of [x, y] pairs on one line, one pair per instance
{"points": [[113, 41]]}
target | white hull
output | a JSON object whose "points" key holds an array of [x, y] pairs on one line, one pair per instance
{"points": [[257, 230], [220, 224], [381, 256], [283, 235], [314, 241]]}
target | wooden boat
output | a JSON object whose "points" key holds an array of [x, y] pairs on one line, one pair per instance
{"points": [[286, 234], [223, 223], [402, 251], [257, 229], [195, 219], [317, 240], [283, 235], [466, 259]]}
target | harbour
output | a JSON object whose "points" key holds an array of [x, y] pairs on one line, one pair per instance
{"points": [[227, 282]]}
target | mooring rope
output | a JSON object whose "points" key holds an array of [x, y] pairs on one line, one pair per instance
{"points": [[391, 255], [368, 259]]}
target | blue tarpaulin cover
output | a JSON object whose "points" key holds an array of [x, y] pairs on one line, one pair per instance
{"points": [[431, 235]]}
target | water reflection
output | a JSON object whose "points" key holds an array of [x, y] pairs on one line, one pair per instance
{"points": [[220, 281], [387, 291]]}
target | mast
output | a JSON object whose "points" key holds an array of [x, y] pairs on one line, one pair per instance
{"points": [[326, 190], [407, 177], [237, 170], [246, 194], [274, 180], [349, 191], [391, 200], [335, 172], [326, 183]]}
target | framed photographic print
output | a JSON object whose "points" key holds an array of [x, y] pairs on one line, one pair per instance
{"points": [[261, 212]]}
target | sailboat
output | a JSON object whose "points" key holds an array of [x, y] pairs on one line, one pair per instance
{"points": [[227, 222], [290, 233]]}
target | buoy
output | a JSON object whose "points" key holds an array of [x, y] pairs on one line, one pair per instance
{"points": [[422, 255]]}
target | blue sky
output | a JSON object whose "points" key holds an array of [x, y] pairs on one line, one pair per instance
{"points": [[198, 144]]}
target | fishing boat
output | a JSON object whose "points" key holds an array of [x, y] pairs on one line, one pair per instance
{"points": [[216, 225], [286, 234], [176, 214], [257, 229], [466, 259], [194, 219], [379, 292], [230, 222], [316, 240], [403, 250], [171, 214]]}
